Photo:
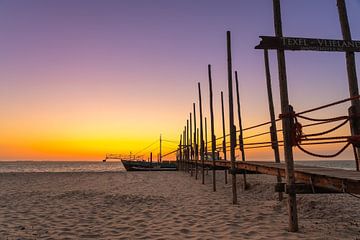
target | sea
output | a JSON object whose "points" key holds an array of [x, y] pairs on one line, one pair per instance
{"points": [[116, 166]]}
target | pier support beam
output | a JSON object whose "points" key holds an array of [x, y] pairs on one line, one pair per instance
{"points": [[224, 133], [213, 138], [352, 76], [287, 123], [231, 118], [273, 130], [201, 138]]}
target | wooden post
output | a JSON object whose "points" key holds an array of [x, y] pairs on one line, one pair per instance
{"points": [[195, 144], [180, 154], [241, 142], [160, 157], [191, 148], [184, 151], [150, 158], [187, 146], [287, 123], [352, 76], [231, 118], [197, 141], [201, 139], [213, 138], [273, 130], [224, 132], [206, 146]]}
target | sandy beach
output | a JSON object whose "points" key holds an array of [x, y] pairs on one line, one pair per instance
{"points": [[162, 205]]}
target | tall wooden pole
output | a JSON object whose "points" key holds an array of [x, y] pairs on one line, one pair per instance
{"points": [[231, 119], [213, 137], [197, 141], [352, 76], [180, 154], [287, 123], [160, 157], [273, 130], [195, 144], [201, 139], [150, 158], [187, 146], [191, 148], [241, 141], [224, 132], [184, 146], [206, 141]]}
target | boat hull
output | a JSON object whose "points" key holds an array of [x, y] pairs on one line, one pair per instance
{"points": [[131, 165]]}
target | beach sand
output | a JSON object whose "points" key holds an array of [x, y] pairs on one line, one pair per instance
{"points": [[162, 205]]}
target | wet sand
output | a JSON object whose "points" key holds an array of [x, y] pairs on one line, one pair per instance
{"points": [[162, 205]]}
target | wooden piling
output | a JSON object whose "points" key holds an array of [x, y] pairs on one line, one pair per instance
{"points": [[184, 147], [352, 76], [224, 132], [180, 154], [160, 157], [150, 158], [231, 118], [201, 139], [206, 146], [241, 141], [287, 124], [273, 130], [213, 138], [191, 148], [187, 146], [195, 143]]}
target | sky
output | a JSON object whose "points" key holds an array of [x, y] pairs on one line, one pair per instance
{"points": [[82, 78]]}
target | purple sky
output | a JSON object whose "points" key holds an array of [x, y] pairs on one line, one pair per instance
{"points": [[66, 64]]}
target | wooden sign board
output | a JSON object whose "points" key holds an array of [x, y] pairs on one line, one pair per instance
{"points": [[308, 44]]}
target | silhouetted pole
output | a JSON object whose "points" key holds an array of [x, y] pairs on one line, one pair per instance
{"points": [[273, 130], [191, 148], [197, 139], [287, 123], [160, 157], [213, 138], [195, 143], [150, 158], [241, 141], [187, 146], [180, 154], [184, 148], [231, 118], [352, 76], [206, 146], [201, 139], [224, 132]]}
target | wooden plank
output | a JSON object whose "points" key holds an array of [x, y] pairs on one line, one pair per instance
{"points": [[308, 44]]}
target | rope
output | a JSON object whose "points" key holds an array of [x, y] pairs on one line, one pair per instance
{"points": [[324, 155], [329, 130], [323, 119]]}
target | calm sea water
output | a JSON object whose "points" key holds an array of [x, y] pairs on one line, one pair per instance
{"points": [[50, 166], [42, 166]]}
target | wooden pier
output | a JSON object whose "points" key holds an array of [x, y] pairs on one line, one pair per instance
{"points": [[309, 179]]}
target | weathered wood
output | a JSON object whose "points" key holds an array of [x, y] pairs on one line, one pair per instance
{"points": [[187, 146], [206, 146], [213, 137], [180, 154], [160, 156], [286, 122], [150, 158], [191, 148], [241, 141], [273, 130], [330, 178], [195, 143], [201, 138], [308, 44], [224, 133], [351, 72], [231, 117]]}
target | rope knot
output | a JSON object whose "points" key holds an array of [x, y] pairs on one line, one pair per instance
{"points": [[354, 140]]}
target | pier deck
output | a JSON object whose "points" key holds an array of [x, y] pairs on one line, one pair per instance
{"points": [[319, 178]]}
